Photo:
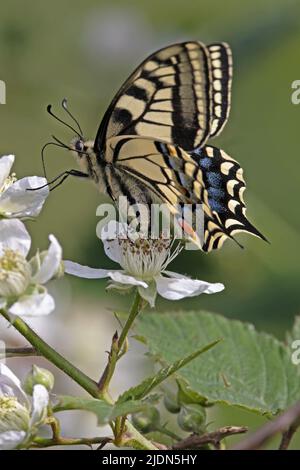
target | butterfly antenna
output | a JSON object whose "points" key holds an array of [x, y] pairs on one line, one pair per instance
{"points": [[61, 144], [43, 154], [65, 107], [63, 122]]}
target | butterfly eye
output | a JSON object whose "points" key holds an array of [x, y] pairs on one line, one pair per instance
{"points": [[79, 146]]}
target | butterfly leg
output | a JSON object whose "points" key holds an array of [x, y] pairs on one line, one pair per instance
{"points": [[65, 175]]}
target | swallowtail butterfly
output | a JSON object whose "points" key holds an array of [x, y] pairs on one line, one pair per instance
{"points": [[152, 141]]}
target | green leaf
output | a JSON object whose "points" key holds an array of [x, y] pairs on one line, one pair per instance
{"points": [[103, 410], [145, 387], [248, 369]]}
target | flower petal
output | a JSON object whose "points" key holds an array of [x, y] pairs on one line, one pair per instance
{"points": [[40, 400], [176, 289], [33, 305], [10, 384], [6, 163], [76, 269], [112, 249], [13, 235], [9, 440], [50, 263], [110, 235], [17, 201], [175, 275]]}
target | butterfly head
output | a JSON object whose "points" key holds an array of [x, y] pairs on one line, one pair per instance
{"points": [[82, 147]]}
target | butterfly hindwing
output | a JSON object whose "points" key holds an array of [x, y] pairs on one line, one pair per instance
{"points": [[167, 170], [207, 176], [225, 185], [167, 97]]}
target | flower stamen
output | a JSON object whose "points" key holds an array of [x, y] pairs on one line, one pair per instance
{"points": [[147, 258], [8, 182]]}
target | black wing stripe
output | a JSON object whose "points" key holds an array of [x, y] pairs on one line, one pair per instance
{"points": [[221, 66]]}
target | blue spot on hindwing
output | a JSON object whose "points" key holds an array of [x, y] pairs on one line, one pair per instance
{"points": [[216, 205], [215, 193], [214, 179], [205, 163]]}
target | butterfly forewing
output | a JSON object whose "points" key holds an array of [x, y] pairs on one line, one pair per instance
{"points": [[221, 74], [168, 97]]}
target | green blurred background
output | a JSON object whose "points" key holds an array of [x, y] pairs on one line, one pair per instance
{"points": [[83, 50]]}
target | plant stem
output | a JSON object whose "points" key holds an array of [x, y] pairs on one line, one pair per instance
{"points": [[134, 311], [117, 346], [167, 432], [43, 442], [136, 440], [287, 437], [54, 357], [19, 352]]}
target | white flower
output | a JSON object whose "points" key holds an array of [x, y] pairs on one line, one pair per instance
{"points": [[20, 417], [21, 282], [15, 199], [143, 262]]}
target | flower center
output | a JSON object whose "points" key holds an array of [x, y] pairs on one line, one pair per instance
{"points": [[13, 415], [7, 404], [8, 182], [15, 273], [10, 261], [146, 258]]}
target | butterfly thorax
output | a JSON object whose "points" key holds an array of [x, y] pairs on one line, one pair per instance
{"points": [[89, 162], [106, 174]]}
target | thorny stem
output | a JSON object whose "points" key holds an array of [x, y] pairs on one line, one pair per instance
{"points": [[196, 441], [119, 347]]}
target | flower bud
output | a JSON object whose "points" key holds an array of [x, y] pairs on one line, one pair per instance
{"points": [[40, 376], [15, 274], [192, 418], [171, 403], [146, 421], [13, 415]]}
